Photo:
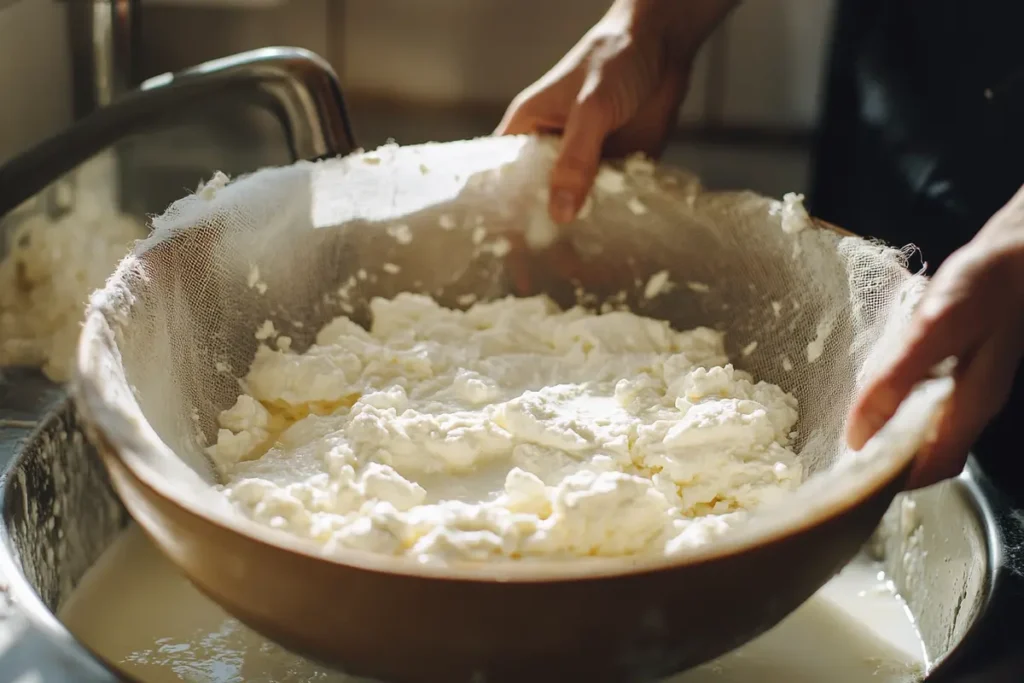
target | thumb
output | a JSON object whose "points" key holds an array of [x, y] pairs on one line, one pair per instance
{"points": [[574, 171]]}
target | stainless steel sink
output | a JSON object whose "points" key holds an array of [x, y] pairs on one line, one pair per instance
{"points": [[941, 546]]}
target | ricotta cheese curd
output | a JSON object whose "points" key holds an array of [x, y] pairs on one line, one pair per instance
{"points": [[50, 268], [509, 430]]}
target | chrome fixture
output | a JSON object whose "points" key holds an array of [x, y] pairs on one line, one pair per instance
{"points": [[297, 87]]}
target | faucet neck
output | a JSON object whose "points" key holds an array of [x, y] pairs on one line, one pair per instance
{"points": [[104, 37]]}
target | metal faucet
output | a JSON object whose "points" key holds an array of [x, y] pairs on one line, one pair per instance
{"points": [[296, 86], [104, 39]]}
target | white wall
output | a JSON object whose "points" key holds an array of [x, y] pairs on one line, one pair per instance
{"points": [[485, 51], [35, 74], [775, 51], [450, 50], [182, 33]]}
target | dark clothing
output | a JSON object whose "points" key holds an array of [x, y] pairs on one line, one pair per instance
{"points": [[922, 137]]}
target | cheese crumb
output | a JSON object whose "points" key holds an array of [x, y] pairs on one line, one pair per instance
{"points": [[657, 284]]}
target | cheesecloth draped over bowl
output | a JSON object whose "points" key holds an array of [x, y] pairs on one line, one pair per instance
{"points": [[168, 337]]}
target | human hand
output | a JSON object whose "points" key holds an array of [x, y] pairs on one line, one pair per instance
{"points": [[973, 310], [616, 91]]}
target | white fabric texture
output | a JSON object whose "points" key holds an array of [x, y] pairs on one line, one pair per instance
{"points": [[175, 327]]}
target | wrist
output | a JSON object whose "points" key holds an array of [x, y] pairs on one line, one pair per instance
{"points": [[682, 26], [1001, 240]]}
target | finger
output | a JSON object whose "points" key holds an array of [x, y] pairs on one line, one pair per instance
{"points": [[514, 122], [517, 121], [560, 259], [586, 128], [517, 265], [940, 330], [530, 124], [982, 387], [531, 113]]}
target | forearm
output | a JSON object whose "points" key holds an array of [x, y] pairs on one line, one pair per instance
{"points": [[1014, 208], [1007, 227], [683, 25]]}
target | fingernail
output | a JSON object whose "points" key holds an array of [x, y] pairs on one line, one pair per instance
{"points": [[563, 206], [860, 431]]}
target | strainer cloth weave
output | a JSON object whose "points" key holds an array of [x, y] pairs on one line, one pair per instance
{"points": [[302, 244]]}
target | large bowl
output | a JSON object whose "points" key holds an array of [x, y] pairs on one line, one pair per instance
{"points": [[943, 547], [146, 379]]}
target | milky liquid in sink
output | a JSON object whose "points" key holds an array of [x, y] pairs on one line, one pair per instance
{"points": [[135, 610]]}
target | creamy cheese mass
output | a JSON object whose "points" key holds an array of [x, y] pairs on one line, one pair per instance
{"points": [[52, 265], [510, 430]]}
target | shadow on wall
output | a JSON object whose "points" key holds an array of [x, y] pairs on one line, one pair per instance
{"points": [[774, 57], [35, 73]]}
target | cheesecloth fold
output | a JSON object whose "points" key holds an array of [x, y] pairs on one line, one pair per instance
{"points": [[168, 338]]}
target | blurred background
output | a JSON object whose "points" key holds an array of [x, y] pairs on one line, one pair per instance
{"points": [[419, 70]]}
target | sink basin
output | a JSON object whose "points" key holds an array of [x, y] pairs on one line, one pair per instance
{"points": [[940, 546]]}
